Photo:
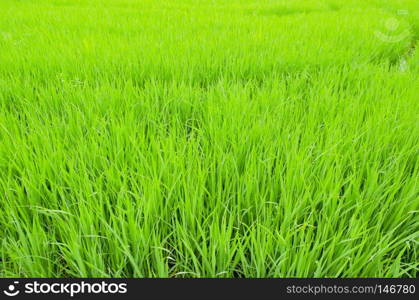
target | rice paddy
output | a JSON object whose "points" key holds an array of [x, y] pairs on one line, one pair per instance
{"points": [[219, 138]]}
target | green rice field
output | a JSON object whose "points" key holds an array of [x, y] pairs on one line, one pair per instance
{"points": [[209, 138]]}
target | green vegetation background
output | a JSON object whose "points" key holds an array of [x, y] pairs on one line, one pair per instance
{"points": [[209, 138]]}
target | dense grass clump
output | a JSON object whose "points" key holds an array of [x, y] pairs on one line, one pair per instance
{"points": [[209, 138]]}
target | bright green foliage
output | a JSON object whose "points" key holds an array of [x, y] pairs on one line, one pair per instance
{"points": [[199, 138]]}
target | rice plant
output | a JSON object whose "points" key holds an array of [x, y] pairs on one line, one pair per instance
{"points": [[209, 138]]}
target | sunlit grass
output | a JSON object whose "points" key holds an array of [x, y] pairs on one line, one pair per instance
{"points": [[208, 138]]}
